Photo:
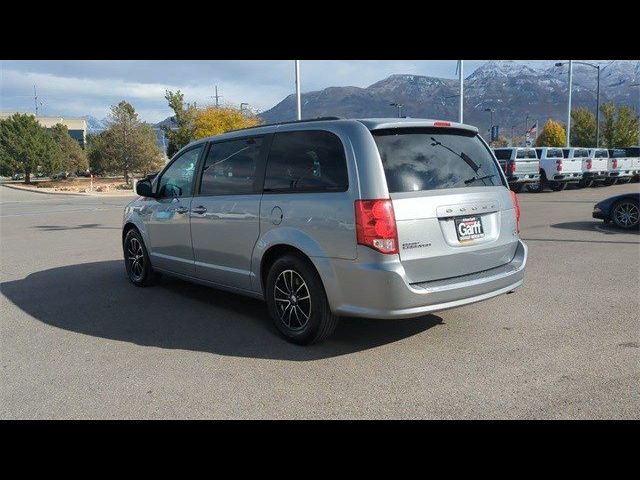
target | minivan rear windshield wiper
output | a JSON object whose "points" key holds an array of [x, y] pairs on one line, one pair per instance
{"points": [[475, 179]]}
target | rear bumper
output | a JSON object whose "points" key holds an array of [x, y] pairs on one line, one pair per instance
{"points": [[524, 178], [380, 290], [567, 177], [594, 175]]}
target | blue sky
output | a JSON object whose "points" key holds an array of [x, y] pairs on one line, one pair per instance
{"points": [[82, 87]]}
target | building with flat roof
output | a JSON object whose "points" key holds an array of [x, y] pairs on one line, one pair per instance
{"points": [[77, 126]]}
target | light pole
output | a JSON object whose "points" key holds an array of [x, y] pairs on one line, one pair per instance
{"points": [[399, 105], [461, 80], [298, 108], [597, 67]]}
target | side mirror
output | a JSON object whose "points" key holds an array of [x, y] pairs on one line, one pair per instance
{"points": [[144, 189]]}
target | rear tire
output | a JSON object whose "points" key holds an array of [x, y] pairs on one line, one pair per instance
{"points": [[297, 301], [586, 183], [610, 181], [136, 260], [539, 186], [626, 214], [558, 186], [516, 187]]}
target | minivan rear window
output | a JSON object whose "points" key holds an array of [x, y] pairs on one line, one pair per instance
{"points": [[528, 153], [431, 158]]}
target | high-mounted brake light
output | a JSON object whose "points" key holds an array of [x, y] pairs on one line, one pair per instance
{"points": [[559, 165], [589, 163], [441, 124], [376, 225], [516, 207], [511, 167]]}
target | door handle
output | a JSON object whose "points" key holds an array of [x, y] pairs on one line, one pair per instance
{"points": [[180, 210], [200, 210]]}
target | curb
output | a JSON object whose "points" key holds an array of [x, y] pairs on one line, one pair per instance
{"points": [[74, 194]]}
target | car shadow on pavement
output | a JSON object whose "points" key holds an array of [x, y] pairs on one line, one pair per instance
{"points": [[594, 226], [97, 299], [57, 228]]}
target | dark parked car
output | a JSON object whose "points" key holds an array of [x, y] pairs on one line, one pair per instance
{"points": [[621, 210]]}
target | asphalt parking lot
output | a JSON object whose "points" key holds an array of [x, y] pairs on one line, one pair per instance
{"points": [[78, 341]]}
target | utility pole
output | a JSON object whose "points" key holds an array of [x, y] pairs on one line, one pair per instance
{"points": [[461, 80], [35, 99], [298, 108], [399, 106], [513, 138], [569, 105], [598, 109], [217, 97]]}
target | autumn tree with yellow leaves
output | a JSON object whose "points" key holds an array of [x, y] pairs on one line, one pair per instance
{"points": [[216, 120], [553, 135]]}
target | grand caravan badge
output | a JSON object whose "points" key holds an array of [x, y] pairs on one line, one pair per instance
{"points": [[469, 228]]}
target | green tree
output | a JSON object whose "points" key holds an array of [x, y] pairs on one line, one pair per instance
{"points": [[552, 135], [128, 145], [73, 157], [583, 128], [25, 146], [182, 131], [608, 124], [96, 147]]}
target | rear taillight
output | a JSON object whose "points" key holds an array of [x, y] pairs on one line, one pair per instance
{"points": [[559, 165], [589, 164], [511, 167], [614, 163], [516, 207], [376, 225]]}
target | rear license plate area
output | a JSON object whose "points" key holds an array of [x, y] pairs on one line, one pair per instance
{"points": [[469, 228]]}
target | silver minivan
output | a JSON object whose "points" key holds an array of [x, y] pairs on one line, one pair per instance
{"points": [[379, 218]]}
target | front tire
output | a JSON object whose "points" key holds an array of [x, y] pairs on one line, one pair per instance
{"points": [[626, 214], [297, 301], [136, 260]]}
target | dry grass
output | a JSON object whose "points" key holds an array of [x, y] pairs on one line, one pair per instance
{"points": [[82, 184]]}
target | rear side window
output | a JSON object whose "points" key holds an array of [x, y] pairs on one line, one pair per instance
{"points": [[601, 154], [419, 159], [306, 161], [617, 153], [528, 153], [230, 168]]}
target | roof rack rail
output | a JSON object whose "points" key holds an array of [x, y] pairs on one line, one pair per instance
{"points": [[317, 119]]}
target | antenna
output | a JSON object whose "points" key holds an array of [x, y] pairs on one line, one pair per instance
{"points": [[217, 97]]}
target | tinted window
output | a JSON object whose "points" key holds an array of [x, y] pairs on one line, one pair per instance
{"points": [[601, 154], [230, 168], [632, 151], [527, 153], [554, 153], [177, 180], [503, 154], [580, 152], [308, 160], [565, 152], [539, 152], [418, 159], [617, 153]]}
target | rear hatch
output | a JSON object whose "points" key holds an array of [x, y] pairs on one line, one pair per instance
{"points": [[453, 212], [569, 165], [527, 161], [600, 161]]}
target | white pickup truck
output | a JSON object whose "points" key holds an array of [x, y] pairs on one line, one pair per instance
{"points": [[520, 166], [634, 154], [595, 167], [620, 164], [556, 171]]}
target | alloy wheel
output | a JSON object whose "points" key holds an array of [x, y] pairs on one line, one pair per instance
{"points": [[135, 257], [626, 214], [293, 300]]}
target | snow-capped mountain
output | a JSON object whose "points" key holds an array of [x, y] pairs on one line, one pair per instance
{"points": [[517, 92], [94, 125]]}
